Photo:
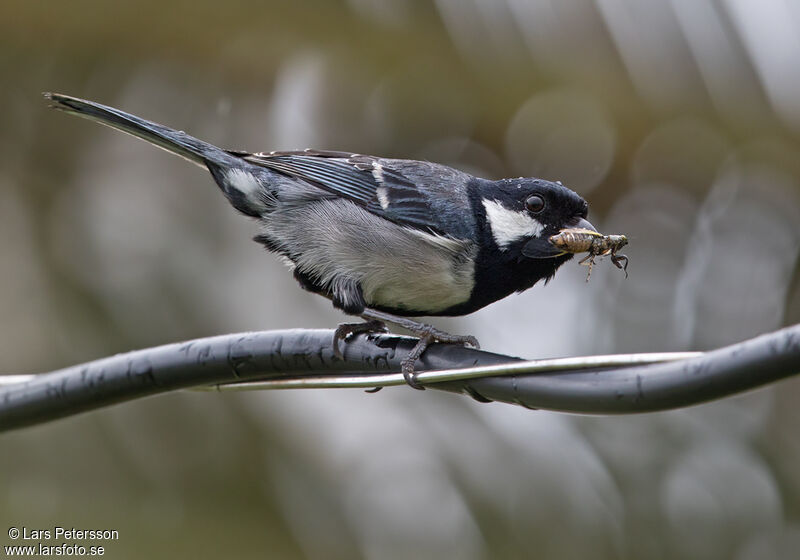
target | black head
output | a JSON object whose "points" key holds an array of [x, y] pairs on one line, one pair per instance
{"points": [[516, 218], [522, 214]]}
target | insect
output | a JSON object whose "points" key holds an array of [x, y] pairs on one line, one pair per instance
{"points": [[580, 240]]}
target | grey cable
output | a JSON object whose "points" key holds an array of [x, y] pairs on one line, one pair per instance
{"points": [[309, 353]]}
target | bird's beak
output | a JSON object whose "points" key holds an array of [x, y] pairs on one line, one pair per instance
{"points": [[582, 223], [541, 248]]}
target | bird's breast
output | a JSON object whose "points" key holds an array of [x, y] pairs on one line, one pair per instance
{"points": [[425, 275]]}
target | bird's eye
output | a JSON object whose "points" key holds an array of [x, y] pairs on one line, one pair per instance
{"points": [[534, 204]]}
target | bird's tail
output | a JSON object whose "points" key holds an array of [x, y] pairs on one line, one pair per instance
{"points": [[173, 141]]}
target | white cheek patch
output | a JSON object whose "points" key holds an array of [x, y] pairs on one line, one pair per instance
{"points": [[509, 225], [242, 181]]}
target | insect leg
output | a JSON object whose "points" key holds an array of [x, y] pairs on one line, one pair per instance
{"points": [[588, 260], [617, 259]]}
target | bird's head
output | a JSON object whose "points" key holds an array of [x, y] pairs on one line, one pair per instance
{"points": [[521, 215]]}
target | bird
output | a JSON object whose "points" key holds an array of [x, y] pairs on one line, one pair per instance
{"points": [[385, 239]]}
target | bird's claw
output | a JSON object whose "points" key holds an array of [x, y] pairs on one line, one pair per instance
{"points": [[347, 330], [407, 367]]}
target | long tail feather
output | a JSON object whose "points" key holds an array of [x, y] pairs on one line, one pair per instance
{"points": [[173, 141]]}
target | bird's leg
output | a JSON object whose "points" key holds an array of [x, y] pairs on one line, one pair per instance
{"points": [[349, 298], [427, 335]]}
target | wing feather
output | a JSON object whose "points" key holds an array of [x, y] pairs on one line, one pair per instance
{"points": [[365, 180]]}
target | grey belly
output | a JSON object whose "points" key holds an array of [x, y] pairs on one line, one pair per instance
{"points": [[397, 267]]}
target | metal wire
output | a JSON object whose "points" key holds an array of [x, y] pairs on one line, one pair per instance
{"points": [[458, 374]]}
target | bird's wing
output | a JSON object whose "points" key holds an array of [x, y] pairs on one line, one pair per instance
{"points": [[371, 182]]}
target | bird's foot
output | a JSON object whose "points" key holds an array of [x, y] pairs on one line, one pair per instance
{"points": [[427, 335], [347, 330]]}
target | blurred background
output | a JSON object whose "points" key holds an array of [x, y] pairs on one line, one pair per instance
{"points": [[678, 120]]}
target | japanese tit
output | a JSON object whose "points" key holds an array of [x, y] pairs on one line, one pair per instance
{"points": [[382, 238]]}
